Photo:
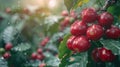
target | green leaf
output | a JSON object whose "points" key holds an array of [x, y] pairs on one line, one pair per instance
{"points": [[74, 65], [3, 24], [63, 50], [35, 63], [3, 63], [110, 65], [113, 45], [69, 4], [9, 33], [79, 3], [64, 61], [22, 47], [81, 60], [82, 4], [114, 9], [84, 59], [53, 61], [52, 24]]}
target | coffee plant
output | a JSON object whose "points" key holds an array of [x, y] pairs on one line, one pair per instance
{"points": [[73, 33], [94, 37]]}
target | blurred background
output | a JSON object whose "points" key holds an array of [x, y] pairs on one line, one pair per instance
{"points": [[51, 6], [32, 31]]}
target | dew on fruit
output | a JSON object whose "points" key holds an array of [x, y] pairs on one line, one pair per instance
{"points": [[35, 29]]}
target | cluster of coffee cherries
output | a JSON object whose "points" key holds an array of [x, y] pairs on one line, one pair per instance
{"points": [[8, 47], [93, 26], [38, 55], [44, 41], [67, 19]]}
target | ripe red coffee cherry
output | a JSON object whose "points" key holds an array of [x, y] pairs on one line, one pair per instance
{"points": [[95, 55], [42, 65], [64, 13], [78, 28], [106, 19], [44, 41], [89, 15], [39, 51], [113, 32], [40, 56], [94, 32], [65, 22], [70, 42], [8, 46], [106, 55], [73, 14], [81, 44], [6, 55], [34, 56]]}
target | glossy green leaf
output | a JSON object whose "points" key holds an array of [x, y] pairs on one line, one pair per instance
{"points": [[114, 9], [63, 50], [22, 47], [9, 33], [80, 60], [79, 3], [109, 64], [82, 4], [3, 62], [69, 3]]}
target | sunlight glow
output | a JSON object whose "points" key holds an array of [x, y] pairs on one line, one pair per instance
{"points": [[52, 3]]}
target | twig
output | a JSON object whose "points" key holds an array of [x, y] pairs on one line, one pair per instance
{"points": [[107, 4]]}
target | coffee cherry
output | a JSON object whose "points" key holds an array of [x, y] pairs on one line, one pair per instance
{"points": [[8, 46], [89, 15], [83, 11], [6, 55], [40, 56], [70, 42], [113, 32], [64, 13], [81, 44], [8, 10], [44, 41], [65, 22], [73, 14], [95, 55], [42, 65], [34, 56], [94, 32], [102, 54], [78, 28], [39, 51], [106, 55], [106, 19]]}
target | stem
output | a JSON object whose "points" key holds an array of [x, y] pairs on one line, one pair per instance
{"points": [[108, 3]]}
